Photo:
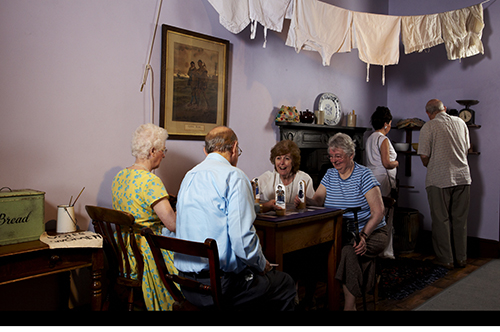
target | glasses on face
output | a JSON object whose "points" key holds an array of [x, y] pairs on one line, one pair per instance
{"points": [[336, 157], [164, 150], [240, 151]]}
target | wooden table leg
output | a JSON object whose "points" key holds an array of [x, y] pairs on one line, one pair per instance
{"points": [[333, 260], [96, 283], [272, 243]]}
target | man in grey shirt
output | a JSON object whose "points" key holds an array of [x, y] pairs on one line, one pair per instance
{"points": [[443, 146]]}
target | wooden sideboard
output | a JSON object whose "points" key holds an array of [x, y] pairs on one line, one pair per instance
{"points": [[312, 139], [27, 260]]}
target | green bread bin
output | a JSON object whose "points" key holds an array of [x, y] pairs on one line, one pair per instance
{"points": [[21, 215]]}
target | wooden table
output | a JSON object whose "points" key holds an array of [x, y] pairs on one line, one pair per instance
{"points": [[33, 259], [281, 235]]}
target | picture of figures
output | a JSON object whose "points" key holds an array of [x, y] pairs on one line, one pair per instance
{"points": [[195, 84], [280, 195], [194, 75]]}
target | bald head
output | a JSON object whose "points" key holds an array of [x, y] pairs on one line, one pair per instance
{"points": [[433, 107], [220, 139]]}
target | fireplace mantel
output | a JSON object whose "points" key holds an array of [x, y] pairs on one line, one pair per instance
{"points": [[312, 140]]}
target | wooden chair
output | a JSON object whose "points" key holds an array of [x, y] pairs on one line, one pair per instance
{"points": [[208, 249], [388, 205], [106, 222]]}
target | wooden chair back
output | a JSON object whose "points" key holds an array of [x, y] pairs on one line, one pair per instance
{"points": [[208, 250], [117, 229], [389, 203]]}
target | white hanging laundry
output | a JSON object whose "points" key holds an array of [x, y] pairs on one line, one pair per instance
{"points": [[270, 14], [462, 30], [233, 14], [420, 32], [289, 11], [317, 26], [377, 39]]}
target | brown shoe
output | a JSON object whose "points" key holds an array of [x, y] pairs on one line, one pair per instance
{"points": [[461, 264], [449, 266]]}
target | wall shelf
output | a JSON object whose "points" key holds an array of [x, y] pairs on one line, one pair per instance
{"points": [[407, 154]]}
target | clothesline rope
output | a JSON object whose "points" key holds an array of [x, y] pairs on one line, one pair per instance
{"points": [[311, 30]]}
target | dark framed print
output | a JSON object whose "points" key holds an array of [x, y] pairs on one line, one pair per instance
{"points": [[194, 84]]}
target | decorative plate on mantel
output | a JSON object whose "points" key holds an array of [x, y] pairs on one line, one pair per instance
{"points": [[330, 103]]}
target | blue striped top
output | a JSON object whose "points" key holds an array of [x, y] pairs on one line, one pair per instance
{"points": [[351, 192]]}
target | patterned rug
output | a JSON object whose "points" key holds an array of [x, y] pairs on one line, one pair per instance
{"points": [[402, 276]]}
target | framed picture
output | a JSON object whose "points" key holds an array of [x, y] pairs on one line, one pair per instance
{"points": [[194, 71]]}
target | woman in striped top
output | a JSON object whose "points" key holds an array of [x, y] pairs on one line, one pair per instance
{"points": [[349, 185]]}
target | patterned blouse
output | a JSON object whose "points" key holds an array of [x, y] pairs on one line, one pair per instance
{"points": [[134, 191]]}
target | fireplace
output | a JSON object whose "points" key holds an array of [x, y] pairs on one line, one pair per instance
{"points": [[312, 140]]}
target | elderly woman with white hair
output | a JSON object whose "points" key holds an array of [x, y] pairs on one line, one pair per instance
{"points": [[138, 191], [350, 185]]}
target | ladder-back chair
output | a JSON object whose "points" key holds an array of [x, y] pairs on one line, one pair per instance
{"points": [[208, 250], [388, 205], [109, 222]]}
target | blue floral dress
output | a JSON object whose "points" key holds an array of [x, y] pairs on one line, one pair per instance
{"points": [[134, 191]]}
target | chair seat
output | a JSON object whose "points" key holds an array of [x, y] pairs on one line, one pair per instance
{"points": [[128, 282]]}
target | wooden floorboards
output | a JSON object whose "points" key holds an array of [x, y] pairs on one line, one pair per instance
{"points": [[409, 303], [417, 298]]}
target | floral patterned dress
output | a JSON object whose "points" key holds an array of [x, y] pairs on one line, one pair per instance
{"points": [[134, 191]]}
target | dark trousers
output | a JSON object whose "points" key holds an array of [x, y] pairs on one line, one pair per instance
{"points": [[248, 290], [449, 211]]}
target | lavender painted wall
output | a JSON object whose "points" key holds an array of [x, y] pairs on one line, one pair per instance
{"points": [[70, 96], [422, 76], [71, 73]]}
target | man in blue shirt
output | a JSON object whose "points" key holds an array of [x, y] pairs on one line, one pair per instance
{"points": [[216, 201]]}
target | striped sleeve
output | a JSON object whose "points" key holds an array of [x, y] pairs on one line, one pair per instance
{"points": [[350, 192]]}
